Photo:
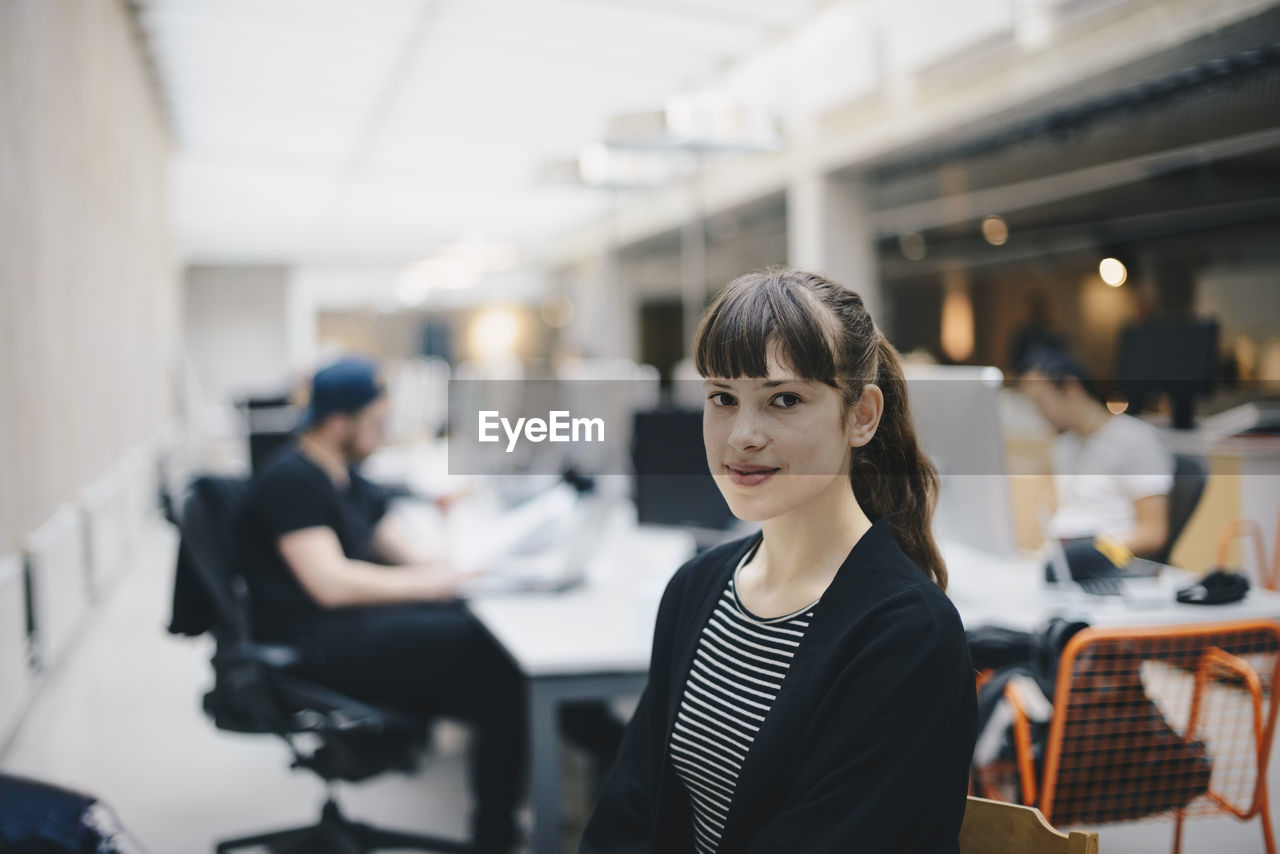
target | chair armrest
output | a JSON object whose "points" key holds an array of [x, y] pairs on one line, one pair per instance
{"points": [[275, 656], [1217, 662], [983, 676], [322, 709]]}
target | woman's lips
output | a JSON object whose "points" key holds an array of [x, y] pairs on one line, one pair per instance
{"points": [[750, 475]]}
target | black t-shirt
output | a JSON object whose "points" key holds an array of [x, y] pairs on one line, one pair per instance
{"points": [[292, 493]]}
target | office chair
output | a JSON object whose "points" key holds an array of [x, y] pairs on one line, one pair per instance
{"points": [[1152, 723], [1189, 476], [992, 827], [257, 689]]}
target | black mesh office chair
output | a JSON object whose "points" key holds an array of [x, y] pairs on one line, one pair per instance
{"points": [[257, 690], [1189, 476]]}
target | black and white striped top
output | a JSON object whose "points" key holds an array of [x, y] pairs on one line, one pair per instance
{"points": [[737, 670]]}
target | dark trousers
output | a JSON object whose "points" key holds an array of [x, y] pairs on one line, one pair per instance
{"points": [[435, 659]]}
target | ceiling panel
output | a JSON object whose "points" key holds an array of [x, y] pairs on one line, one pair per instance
{"points": [[318, 128]]}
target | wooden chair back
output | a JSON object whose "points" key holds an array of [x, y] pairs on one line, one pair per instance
{"points": [[992, 827]]}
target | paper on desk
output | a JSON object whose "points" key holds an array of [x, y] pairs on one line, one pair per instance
{"points": [[482, 536]]}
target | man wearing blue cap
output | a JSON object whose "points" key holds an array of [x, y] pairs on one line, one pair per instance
{"points": [[323, 524], [330, 572]]}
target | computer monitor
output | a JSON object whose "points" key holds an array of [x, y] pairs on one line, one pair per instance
{"points": [[271, 421], [1173, 356], [956, 411], [672, 485]]}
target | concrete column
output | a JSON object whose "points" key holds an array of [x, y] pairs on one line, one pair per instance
{"points": [[604, 312], [829, 232], [302, 313], [615, 335], [605, 321], [237, 326], [693, 268]]}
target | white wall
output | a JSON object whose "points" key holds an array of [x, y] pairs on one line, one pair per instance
{"points": [[89, 302]]}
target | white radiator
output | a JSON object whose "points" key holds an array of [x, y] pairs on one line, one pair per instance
{"points": [[139, 500], [106, 527], [15, 670], [59, 582], [118, 507]]}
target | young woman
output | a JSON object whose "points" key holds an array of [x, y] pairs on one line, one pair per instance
{"points": [[810, 689]]}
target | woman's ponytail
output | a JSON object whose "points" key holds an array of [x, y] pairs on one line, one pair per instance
{"points": [[891, 475]]}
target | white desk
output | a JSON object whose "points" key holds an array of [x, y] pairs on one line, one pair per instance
{"points": [[589, 643], [989, 590], [15, 673]]}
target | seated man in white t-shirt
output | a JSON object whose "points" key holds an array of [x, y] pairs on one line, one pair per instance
{"points": [[1112, 473]]}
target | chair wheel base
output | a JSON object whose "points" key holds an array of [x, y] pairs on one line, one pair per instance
{"points": [[336, 834]]}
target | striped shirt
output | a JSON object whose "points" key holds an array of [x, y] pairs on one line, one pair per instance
{"points": [[738, 668]]}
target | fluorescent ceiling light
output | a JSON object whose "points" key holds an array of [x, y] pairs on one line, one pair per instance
{"points": [[604, 167], [692, 126]]}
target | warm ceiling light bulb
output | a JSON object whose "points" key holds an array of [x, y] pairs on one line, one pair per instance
{"points": [[495, 334], [1112, 272], [995, 230], [912, 246], [556, 311], [957, 334]]}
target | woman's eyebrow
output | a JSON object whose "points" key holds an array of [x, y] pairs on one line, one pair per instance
{"points": [[763, 383]]}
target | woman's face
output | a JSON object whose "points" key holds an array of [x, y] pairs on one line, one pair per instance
{"points": [[778, 444]]}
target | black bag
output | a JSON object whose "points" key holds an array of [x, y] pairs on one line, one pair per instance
{"points": [[36, 818], [1009, 653], [194, 609]]}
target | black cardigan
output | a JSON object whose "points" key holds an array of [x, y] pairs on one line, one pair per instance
{"points": [[867, 746]]}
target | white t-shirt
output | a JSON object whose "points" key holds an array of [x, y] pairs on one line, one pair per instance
{"points": [[1098, 477]]}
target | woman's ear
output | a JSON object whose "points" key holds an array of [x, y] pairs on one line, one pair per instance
{"points": [[866, 413]]}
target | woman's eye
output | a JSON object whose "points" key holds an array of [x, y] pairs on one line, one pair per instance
{"points": [[719, 398], [786, 400]]}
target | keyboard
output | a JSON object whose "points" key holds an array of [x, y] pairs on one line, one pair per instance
{"points": [[1103, 586]]}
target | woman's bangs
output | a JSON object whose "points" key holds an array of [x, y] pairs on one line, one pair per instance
{"points": [[750, 317], [734, 339]]}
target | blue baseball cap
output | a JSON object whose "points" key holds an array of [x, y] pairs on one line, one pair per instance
{"points": [[344, 387]]}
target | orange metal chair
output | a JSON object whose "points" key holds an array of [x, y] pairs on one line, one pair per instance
{"points": [[1268, 575], [1152, 723]]}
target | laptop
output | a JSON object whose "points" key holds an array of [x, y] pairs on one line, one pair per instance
{"points": [[1110, 581]]}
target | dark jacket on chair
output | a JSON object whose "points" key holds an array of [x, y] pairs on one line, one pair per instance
{"points": [[866, 748], [195, 610]]}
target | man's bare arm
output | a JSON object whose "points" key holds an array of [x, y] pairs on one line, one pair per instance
{"points": [[395, 546], [333, 580], [1151, 525]]}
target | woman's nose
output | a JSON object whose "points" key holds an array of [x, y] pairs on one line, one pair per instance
{"points": [[747, 433]]}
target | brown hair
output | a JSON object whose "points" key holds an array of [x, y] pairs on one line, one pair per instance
{"points": [[825, 335]]}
